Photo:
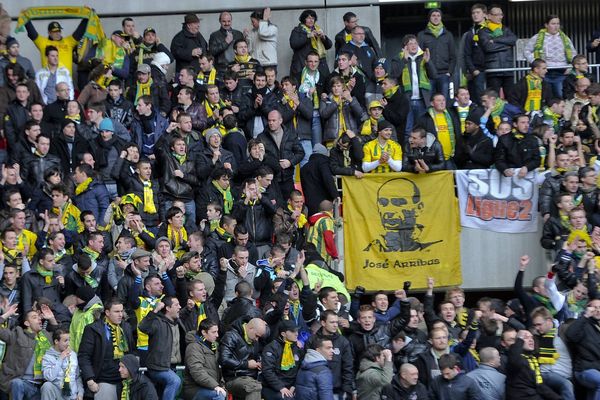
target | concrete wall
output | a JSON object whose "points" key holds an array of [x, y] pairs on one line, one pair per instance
{"points": [[167, 22]]}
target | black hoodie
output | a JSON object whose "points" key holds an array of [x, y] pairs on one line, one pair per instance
{"points": [[140, 387], [395, 391]]}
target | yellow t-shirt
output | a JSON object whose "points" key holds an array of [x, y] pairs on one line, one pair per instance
{"points": [[65, 48], [372, 152], [443, 134]]}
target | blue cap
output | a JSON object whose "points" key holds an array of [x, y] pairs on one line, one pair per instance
{"points": [[106, 125]]}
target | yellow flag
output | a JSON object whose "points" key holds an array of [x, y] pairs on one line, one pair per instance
{"points": [[401, 227]]}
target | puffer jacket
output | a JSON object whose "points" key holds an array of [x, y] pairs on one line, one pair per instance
{"points": [[95, 199], [516, 153], [431, 154], [442, 48], [549, 189], [235, 353], [173, 187], [272, 375], [202, 369], [353, 115], [314, 380], [54, 368], [257, 218], [395, 391], [34, 166]]}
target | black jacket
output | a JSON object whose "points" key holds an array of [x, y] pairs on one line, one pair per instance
{"points": [[237, 309], [235, 352], [301, 46], [340, 41], [498, 51], [517, 95], [257, 218], [461, 387], [120, 110], [160, 340], [554, 233], [69, 159], [303, 114], [182, 45], [337, 159], [318, 182], [290, 149], [397, 110], [93, 346], [473, 54], [342, 363], [431, 154], [218, 46], [520, 379], [189, 318], [511, 152], [395, 391], [173, 187], [34, 166], [398, 64], [33, 287], [273, 376], [474, 151], [583, 338], [548, 190], [442, 48]]}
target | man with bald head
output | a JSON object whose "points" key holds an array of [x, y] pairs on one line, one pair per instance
{"points": [[282, 152], [490, 381], [55, 112], [239, 357], [405, 385]]}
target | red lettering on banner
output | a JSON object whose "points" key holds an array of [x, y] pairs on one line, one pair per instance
{"points": [[488, 209]]}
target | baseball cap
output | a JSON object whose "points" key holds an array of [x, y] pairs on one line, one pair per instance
{"points": [[149, 29], [375, 104], [54, 26], [143, 68]]}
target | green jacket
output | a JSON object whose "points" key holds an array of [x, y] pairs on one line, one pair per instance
{"points": [[371, 378], [82, 318]]}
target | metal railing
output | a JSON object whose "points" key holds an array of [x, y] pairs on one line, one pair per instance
{"points": [[596, 67]]}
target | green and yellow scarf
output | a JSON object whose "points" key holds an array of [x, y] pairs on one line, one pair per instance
{"points": [[534, 93], [436, 30], [287, 357], [538, 49], [126, 389], [142, 89], [42, 344], [407, 78], [389, 93], [181, 158], [315, 42], [448, 152], [83, 186], [48, 275], [227, 197], [119, 341], [497, 112], [495, 29], [239, 59]]}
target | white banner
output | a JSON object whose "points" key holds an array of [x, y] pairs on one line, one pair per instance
{"points": [[491, 201]]}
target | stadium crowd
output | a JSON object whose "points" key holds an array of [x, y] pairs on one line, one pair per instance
{"points": [[149, 222]]}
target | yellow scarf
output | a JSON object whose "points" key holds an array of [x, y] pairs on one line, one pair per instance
{"points": [[119, 341], [241, 59], [201, 77], [246, 338], [142, 89], [369, 127], [290, 102], [443, 134], [534, 365], [83, 186], [348, 37], [103, 81], [390, 92], [301, 218], [287, 357], [149, 206], [341, 120], [227, 197], [315, 42], [177, 238], [534, 93], [201, 313]]}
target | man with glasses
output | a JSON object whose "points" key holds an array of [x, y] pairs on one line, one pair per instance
{"points": [[364, 54], [497, 42], [345, 35]]}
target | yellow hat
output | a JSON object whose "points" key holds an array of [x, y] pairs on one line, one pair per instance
{"points": [[375, 104]]}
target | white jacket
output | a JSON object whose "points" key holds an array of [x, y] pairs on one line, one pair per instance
{"points": [[262, 43], [62, 75]]}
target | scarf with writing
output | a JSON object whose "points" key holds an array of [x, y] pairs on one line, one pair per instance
{"points": [[149, 206], [436, 30], [227, 197], [315, 41], [547, 351], [534, 93], [83, 186], [119, 340], [287, 357], [142, 89], [41, 345], [538, 49], [445, 133], [203, 79]]}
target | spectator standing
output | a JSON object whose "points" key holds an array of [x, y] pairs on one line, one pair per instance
{"points": [[307, 37], [189, 44], [221, 43], [262, 38]]}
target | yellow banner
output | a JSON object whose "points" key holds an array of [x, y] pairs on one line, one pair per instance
{"points": [[401, 227]]}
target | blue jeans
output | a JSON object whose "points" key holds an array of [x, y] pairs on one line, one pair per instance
{"points": [[167, 379], [476, 87], [307, 147], [590, 378], [23, 390], [417, 108], [316, 129], [555, 79], [560, 385], [441, 84], [208, 394], [190, 209]]}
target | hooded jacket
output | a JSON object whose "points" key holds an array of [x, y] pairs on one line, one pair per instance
{"points": [[91, 311], [54, 368], [371, 378], [342, 363], [314, 380], [141, 388], [202, 369], [95, 199]]}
